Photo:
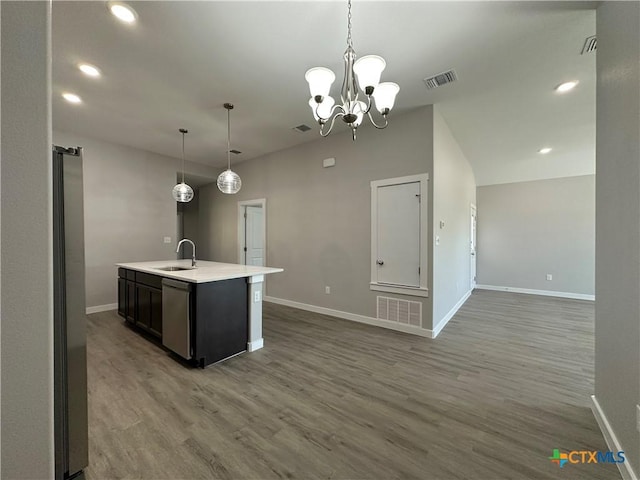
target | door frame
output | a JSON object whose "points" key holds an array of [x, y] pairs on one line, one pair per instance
{"points": [[259, 202], [473, 256]]}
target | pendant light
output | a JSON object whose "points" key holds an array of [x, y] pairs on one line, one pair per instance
{"points": [[182, 192], [229, 181]]}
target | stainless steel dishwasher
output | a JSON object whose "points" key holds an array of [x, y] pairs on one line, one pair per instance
{"points": [[176, 316]]}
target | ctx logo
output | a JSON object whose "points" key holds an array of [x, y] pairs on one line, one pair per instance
{"points": [[586, 456]]}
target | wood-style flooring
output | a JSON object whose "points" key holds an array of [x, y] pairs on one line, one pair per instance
{"points": [[506, 382]]}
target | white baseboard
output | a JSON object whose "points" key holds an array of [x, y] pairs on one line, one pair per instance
{"points": [[255, 345], [546, 293], [626, 470], [442, 323], [102, 308], [400, 327]]}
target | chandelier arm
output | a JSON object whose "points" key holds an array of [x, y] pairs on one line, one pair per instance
{"points": [[333, 120], [369, 103], [331, 112], [379, 127]]}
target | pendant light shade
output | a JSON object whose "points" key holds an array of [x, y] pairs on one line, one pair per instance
{"points": [[229, 181], [182, 192]]}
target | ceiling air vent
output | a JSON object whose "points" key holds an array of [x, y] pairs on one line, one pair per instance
{"points": [[589, 45], [302, 128], [237, 152], [441, 79]]}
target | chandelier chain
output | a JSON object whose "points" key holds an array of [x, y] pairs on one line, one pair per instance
{"points": [[349, 42]]}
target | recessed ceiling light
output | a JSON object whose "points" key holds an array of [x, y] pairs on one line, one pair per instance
{"points": [[544, 150], [89, 70], [72, 98], [122, 11], [565, 87]]}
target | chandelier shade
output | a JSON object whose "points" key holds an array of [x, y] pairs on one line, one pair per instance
{"points": [[323, 109], [385, 96], [355, 103], [320, 80], [368, 70]]}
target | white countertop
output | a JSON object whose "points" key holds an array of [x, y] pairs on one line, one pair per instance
{"points": [[204, 271]]}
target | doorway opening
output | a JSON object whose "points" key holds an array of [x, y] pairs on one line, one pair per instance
{"points": [[473, 227], [252, 232]]}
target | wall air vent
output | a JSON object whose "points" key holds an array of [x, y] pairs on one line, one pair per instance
{"points": [[400, 311], [589, 45], [441, 79], [302, 128], [237, 152]]}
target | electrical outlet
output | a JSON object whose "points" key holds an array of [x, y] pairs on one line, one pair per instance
{"points": [[167, 239], [549, 276], [327, 290], [256, 296]]}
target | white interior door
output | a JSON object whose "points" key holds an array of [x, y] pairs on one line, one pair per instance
{"points": [[472, 250], [398, 243], [254, 235]]}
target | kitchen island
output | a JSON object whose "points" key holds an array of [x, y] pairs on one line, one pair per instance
{"points": [[204, 313]]}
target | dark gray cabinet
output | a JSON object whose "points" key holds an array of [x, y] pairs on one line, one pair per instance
{"points": [[140, 300]]}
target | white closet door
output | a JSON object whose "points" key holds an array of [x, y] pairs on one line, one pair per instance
{"points": [[398, 255], [254, 236]]}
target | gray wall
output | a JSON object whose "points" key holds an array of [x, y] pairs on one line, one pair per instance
{"points": [[27, 293], [128, 209], [454, 191], [319, 219], [191, 224], [618, 221], [529, 229]]}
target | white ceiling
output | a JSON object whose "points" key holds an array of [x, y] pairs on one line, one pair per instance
{"points": [[182, 60]]}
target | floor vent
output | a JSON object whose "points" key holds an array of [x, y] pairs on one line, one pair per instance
{"points": [[400, 311], [590, 45], [441, 79]]}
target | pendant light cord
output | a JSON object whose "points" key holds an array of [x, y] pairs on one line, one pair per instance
{"points": [[183, 157], [228, 139]]}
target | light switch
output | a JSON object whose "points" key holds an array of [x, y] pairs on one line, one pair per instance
{"points": [[167, 239], [437, 239]]}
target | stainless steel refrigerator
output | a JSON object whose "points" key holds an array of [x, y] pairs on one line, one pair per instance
{"points": [[70, 352]]}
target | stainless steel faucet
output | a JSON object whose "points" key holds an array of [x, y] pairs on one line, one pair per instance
{"points": [[193, 247]]}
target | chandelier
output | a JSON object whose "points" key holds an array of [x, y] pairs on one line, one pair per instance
{"points": [[353, 109], [229, 181]]}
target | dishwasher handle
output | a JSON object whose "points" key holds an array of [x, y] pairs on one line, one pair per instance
{"points": [[167, 282]]}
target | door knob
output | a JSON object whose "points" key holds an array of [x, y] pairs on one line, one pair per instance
{"points": [[380, 262]]}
